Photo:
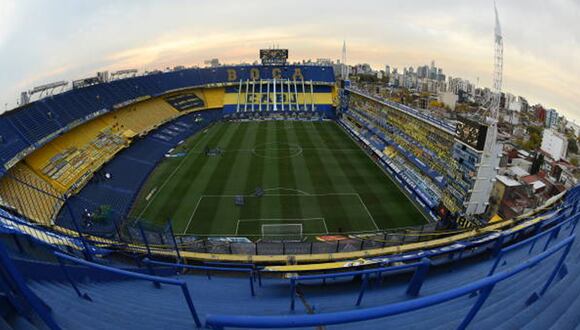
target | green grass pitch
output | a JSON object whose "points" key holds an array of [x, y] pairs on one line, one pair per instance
{"points": [[312, 174]]}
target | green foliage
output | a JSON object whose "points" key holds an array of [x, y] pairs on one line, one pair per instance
{"points": [[535, 138], [572, 146], [368, 78]]}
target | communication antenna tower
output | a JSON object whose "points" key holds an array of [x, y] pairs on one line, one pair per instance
{"points": [[344, 71]]}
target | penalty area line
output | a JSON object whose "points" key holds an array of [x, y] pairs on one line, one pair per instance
{"points": [[192, 214], [368, 212]]}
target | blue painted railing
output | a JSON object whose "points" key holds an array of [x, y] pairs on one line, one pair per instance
{"points": [[208, 270], [257, 269], [139, 276], [19, 295], [421, 269], [483, 286], [551, 233]]}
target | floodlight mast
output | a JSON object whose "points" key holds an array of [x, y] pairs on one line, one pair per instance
{"points": [[489, 163], [495, 105], [497, 72]]}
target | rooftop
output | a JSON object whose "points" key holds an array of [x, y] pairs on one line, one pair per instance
{"points": [[507, 181]]}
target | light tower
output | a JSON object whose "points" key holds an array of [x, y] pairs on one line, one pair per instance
{"points": [[489, 163], [344, 67], [494, 108], [498, 69]]}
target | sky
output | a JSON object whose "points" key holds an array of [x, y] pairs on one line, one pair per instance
{"points": [[43, 41]]}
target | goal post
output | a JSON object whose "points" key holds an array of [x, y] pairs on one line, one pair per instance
{"points": [[282, 232]]}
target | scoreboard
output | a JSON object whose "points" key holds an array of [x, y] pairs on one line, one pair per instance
{"points": [[274, 56], [472, 133]]}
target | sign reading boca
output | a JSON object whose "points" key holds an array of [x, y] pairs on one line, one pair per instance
{"points": [[265, 72]]}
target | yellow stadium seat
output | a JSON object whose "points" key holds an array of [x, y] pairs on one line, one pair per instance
{"points": [[40, 205]]}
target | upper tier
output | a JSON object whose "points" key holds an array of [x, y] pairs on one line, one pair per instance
{"points": [[26, 128]]}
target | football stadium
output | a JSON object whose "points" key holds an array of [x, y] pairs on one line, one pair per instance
{"points": [[270, 195]]}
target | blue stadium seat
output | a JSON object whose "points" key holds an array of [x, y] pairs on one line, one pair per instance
{"points": [[125, 302], [128, 172], [11, 141]]}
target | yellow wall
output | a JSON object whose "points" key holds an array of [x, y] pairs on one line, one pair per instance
{"points": [[213, 97], [141, 117], [319, 98]]}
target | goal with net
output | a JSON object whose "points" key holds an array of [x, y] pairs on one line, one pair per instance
{"points": [[282, 232]]}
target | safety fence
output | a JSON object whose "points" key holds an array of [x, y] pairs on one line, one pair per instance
{"points": [[155, 279], [559, 237], [483, 287]]}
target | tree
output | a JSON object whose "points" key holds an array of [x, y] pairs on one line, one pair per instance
{"points": [[535, 138], [436, 104], [461, 107], [368, 78], [537, 164], [572, 146]]}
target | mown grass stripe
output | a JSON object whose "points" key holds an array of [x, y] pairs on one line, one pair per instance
{"points": [[254, 174], [318, 173], [389, 206], [290, 205], [166, 205], [222, 178]]}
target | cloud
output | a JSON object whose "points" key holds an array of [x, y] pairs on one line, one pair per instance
{"points": [[72, 39], [8, 18]]}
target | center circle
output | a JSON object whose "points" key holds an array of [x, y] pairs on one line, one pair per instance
{"points": [[277, 150]]}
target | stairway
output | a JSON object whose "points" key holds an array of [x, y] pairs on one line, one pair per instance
{"points": [[135, 304]]}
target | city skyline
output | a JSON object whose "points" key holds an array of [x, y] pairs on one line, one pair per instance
{"points": [[78, 39]]}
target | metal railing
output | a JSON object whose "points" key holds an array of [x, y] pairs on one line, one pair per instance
{"points": [[208, 270], [484, 286], [421, 269], [139, 276], [551, 235], [19, 295]]}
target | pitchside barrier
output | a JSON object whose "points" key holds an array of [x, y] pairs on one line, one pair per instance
{"points": [[164, 238]]}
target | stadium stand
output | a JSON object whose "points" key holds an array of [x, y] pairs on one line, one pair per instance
{"points": [[59, 113], [425, 144], [185, 101], [130, 168], [25, 191], [11, 142], [66, 160], [141, 117]]}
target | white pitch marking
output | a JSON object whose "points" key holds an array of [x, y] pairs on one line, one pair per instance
{"points": [[368, 212], [193, 213], [173, 173]]}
